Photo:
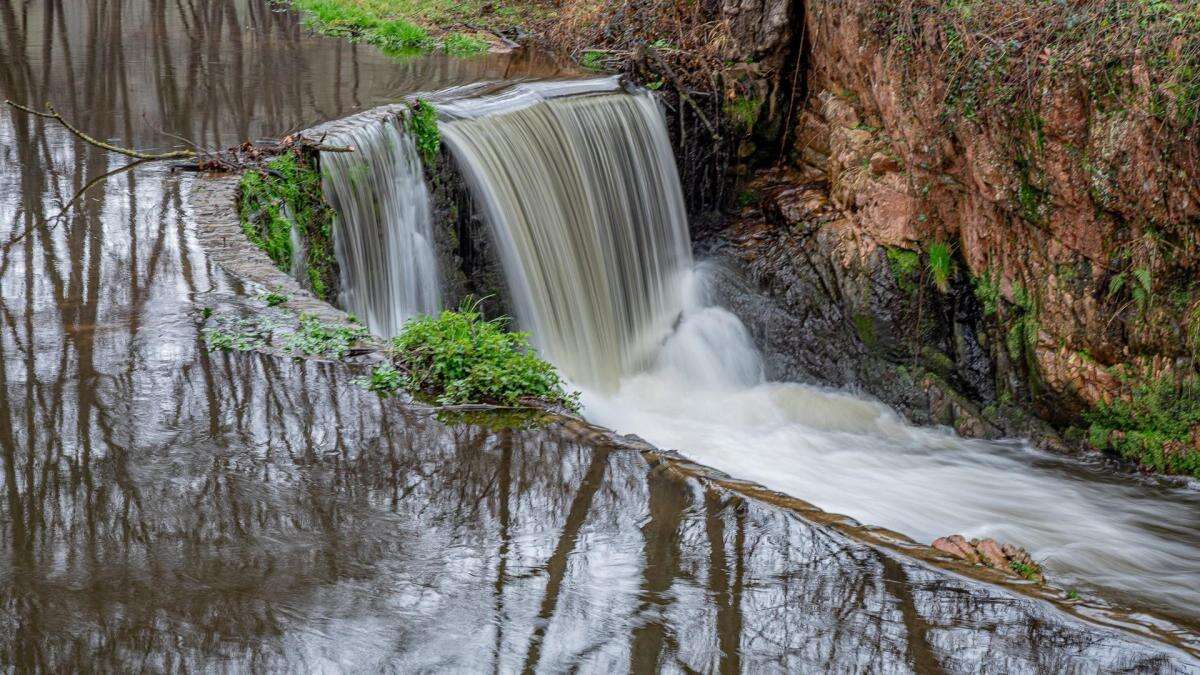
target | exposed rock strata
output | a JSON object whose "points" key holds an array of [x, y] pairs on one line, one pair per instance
{"points": [[1071, 221]]}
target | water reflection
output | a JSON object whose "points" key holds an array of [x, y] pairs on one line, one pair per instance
{"points": [[166, 508]]}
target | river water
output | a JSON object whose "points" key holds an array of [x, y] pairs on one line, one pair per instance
{"points": [[165, 508]]}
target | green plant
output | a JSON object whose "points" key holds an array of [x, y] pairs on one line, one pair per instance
{"points": [[940, 265], [458, 357], [1033, 572], [592, 60], [318, 338], [384, 380], [905, 266], [423, 124], [1072, 595], [398, 37], [459, 44], [274, 298], [241, 335], [744, 112], [987, 290], [285, 194], [1153, 426], [1143, 290], [1024, 327]]}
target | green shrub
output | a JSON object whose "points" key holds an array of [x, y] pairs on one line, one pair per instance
{"points": [[458, 357], [423, 124], [1153, 426], [284, 194], [384, 380]]}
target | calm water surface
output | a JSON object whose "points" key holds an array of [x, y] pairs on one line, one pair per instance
{"points": [[167, 508]]}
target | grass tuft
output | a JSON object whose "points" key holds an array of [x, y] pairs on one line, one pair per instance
{"points": [[941, 265]]}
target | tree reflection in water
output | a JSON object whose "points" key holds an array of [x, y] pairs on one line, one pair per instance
{"points": [[168, 508]]}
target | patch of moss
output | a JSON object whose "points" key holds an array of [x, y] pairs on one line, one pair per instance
{"points": [[1154, 426], [864, 325], [284, 195], [906, 268], [987, 290], [744, 112]]}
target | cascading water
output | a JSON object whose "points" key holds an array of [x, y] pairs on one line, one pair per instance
{"points": [[583, 199], [383, 231]]}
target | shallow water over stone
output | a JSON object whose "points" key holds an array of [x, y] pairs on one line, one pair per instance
{"points": [[166, 508]]}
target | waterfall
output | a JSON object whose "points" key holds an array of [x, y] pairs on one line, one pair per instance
{"points": [[299, 266], [382, 233], [583, 199]]}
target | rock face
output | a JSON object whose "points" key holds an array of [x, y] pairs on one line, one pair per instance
{"points": [[1008, 250]]}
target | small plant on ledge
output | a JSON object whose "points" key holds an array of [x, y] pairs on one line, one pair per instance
{"points": [[458, 357]]}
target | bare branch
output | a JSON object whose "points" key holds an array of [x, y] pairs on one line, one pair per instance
{"points": [[51, 113]]}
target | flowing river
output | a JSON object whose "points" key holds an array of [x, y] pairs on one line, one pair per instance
{"points": [[168, 508]]}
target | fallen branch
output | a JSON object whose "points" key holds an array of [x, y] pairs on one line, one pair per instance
{"points": [[52, 114]]}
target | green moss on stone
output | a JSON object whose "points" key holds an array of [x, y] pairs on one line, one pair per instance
{"points": [[284, 195], [744, 112], [906, 268], [864, 325]]}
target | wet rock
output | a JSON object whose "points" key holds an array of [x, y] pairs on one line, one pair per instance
{"points": [[958, 547], [1006, 558]]}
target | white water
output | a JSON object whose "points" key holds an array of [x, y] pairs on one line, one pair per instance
{"points": [[382, 234], [706, 396]]}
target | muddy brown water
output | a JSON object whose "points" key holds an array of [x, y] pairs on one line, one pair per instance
{"points": [[167, 508]]}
